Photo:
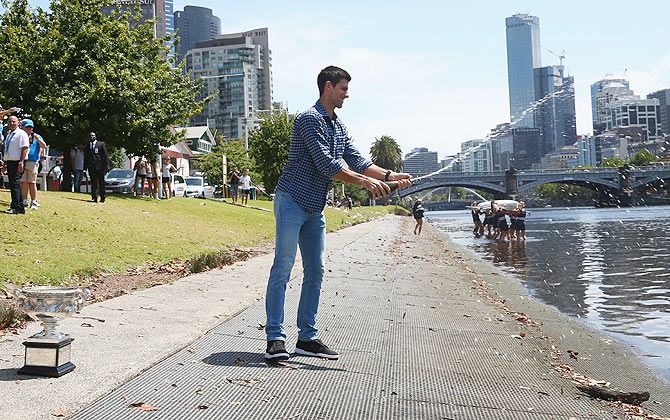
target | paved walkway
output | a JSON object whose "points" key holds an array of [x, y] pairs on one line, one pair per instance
{"points": [[425, 330]]}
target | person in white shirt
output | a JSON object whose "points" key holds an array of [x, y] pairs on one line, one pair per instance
{"points": [[245, 184], [168, 170], [77, 160], [16, 152]]}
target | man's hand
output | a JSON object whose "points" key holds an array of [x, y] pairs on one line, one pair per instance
{"points": [[378, 188], [404, 180]]}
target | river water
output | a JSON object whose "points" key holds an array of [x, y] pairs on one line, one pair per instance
{"points": [[608, 267]]}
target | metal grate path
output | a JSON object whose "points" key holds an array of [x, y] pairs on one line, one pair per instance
{"points": [[407, 352]]}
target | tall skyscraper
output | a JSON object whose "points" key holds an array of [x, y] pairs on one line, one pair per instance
{"points": [[158, 10], [663, 97], [237, 70], [555, 113], [597, 110], [523, 56], [606, 94], [195, 24]]}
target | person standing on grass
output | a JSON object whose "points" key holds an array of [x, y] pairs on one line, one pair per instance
{"points": [[234, 183], [77, 159], [320, 147], [168, 170], [154, 186], [36, 149], [140, 175], [96, 161], [245, 183], [16, 151]]}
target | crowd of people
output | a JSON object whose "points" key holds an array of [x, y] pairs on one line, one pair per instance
{"points": [[499, 222]]}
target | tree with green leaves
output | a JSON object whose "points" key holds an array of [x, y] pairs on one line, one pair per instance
{"points": [[268, 147], [76, 69], [386, 153], [643, 158], [211, 164], [613, 162]]}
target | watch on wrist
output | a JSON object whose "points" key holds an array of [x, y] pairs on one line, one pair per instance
{"points": [[386, 177]]}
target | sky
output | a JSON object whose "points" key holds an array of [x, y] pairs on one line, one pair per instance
{"points": [[434, 73]]}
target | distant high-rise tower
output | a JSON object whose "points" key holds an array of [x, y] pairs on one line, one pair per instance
{"points": [[195, 24], [555, 113], [523, 56], [597, 87], [237, 70], [663, 97], [158, 10]]}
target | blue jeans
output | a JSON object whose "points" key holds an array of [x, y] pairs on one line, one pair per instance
{"points": [[295, 227], [78, 174]]}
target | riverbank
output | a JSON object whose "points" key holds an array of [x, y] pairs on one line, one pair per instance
{"points": [[424, 331], [608, 268]]}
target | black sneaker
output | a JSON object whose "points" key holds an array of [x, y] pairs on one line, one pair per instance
{"points": [[276, 351], [315, 348]]}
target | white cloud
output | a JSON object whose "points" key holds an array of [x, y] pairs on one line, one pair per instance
{"points": [[650, 79]]}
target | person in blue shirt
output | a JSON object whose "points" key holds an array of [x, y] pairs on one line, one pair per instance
{"points": [[320, 151], [36, 150]]}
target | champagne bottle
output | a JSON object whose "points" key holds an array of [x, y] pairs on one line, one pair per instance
{"points": [[393, 185]]}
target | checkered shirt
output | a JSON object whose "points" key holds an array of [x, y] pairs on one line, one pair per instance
{"points": [[318, 147]]}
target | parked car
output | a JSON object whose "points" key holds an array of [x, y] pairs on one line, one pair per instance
{"points": [[120, 181], [178, 185], [196, 186]]}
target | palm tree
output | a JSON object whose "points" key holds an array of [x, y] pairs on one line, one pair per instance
{"points": [[386, 153]]}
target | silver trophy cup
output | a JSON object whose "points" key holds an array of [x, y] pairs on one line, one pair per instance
{"points": [[48, 351]]}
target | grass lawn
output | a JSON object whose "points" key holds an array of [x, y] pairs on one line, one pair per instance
{"points": [[68, 236]]}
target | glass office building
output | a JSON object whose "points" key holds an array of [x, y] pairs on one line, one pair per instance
{"points": [[523, 56], [195, 24]]}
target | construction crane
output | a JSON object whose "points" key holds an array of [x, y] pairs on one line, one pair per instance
{"points": [[560, 56]]}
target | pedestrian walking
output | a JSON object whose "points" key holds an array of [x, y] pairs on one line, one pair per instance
{"points": [[417, 213], [96, 161], [36, 149], [16, 151], [319, 144]]}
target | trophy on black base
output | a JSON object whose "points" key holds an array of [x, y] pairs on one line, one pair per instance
{"points": [[48, 352]]}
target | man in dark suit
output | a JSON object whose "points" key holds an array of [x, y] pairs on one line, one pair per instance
{"points": [[96, 161]]}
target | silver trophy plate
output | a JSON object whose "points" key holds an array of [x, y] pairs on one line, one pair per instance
{"points": [[48, 352]]}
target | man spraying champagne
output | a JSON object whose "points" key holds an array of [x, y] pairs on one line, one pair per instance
{"points": [[319, 144]]}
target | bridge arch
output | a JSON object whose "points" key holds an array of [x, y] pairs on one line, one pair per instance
{"points": [[648, 180], [473, 184]]}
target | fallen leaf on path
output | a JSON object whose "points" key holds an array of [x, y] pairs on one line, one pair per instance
{"points": [[144, 407], [59, 412]]}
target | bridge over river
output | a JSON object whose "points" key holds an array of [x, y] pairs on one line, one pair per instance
{"points": [[617, 186]]}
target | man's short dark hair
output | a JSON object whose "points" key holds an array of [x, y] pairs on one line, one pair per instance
{"points": [[333, 75]]}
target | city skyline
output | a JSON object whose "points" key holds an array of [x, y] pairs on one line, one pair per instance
{"points": [[435, 75]]}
